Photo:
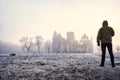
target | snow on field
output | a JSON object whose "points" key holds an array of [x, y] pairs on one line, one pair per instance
{"points": [[62, 66]]}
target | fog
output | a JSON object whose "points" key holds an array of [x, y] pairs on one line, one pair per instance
{"points": [[20, 18]]}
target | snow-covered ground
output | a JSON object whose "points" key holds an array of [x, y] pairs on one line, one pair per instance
{"points": [[62, 66]]}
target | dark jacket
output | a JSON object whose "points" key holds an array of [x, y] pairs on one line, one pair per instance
{"points": [[105, 34]]}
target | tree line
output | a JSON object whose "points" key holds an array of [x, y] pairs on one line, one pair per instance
{"points": [[57, 45]]}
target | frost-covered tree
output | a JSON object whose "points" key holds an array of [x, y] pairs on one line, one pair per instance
{"points": [[84, 43], [39, 40], [27, 43], [58, 43], [54, 42], [70, 41], [63, 45], [47, 47]]}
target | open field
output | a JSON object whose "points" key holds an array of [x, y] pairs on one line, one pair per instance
{"points": [[62, 66]]}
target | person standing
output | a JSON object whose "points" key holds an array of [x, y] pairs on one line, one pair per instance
{"points": [[104, 37]]}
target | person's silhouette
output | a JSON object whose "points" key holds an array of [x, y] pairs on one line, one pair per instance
{"points": [[104, 36]]}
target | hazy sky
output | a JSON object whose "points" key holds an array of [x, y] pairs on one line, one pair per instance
{"points": [[42, 17]]}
